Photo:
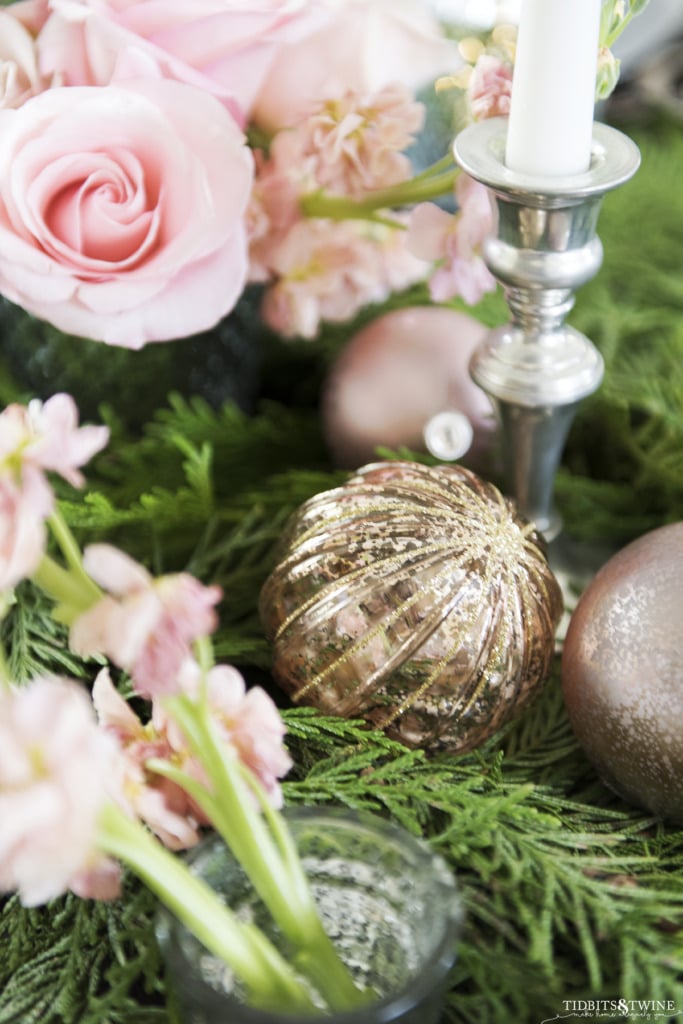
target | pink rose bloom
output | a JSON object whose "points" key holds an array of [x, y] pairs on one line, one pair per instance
{"points": [[122, 210], [490, 87], [223, 47], [248, 722], [56, 772], [145, 625], [454, 242], [31, 13], [354, 143], [161, 804], [361, 45], [19, 73]]}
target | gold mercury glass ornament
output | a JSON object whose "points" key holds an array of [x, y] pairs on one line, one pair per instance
{"points": [[416, 598]]}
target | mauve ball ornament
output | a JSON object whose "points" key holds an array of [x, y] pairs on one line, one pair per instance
{"points": [[416, 598], [395, 375], [622, 672]]}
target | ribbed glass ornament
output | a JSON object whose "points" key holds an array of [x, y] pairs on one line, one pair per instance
{"points": [[416, 598]]}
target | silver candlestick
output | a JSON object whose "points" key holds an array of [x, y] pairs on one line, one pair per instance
{"points": [[536, 369]]}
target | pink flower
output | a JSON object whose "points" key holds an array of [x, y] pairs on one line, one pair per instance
{"points": [[326, 270], [160, 803], [56, 773], [490, 87], [122, 210], [58, 443], [223, 47], [145, 625], [42, 437], [359, 45], [354, 143], [24, 507], [31, 13], [455, 242], [248, 722], [19, 73], [273, 210]]}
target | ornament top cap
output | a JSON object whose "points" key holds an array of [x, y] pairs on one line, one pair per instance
{"points": [[480, 151]]}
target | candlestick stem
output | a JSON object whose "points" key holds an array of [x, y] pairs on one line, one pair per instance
{"points": [[536, 369]]}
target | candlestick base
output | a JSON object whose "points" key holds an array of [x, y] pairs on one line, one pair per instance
{"points": [[536, 369]]}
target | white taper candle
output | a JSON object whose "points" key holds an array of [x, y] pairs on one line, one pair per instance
{"points": [[553, 88]]}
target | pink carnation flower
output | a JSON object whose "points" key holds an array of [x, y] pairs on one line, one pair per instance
{"points": [[454, 242], [145, 625], [354, 143], [57, 770], [326, 270], [490, 87]]}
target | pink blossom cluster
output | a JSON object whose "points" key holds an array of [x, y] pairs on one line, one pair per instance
{"points": [[129, 206], [148, 626], [56, 770], [34, 441], [60, 763], [454, 243], [318, 268]]}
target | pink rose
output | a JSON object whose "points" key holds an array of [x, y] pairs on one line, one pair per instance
{"points": [[222, 46], [19, 74], [31, 13], [362, 45], [122, 210]]}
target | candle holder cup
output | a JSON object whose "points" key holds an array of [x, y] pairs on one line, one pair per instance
{"points": [[536, 369]]}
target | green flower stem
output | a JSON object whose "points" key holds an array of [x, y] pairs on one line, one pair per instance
{"points": [[72, 554], [5, 677], [611, 29], [420, 189], [232, 810], [269, 980], [266, 853], [67, 588]]}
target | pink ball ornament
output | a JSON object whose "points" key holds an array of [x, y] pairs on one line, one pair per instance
{"points": [[622, 672], [396, 375]]}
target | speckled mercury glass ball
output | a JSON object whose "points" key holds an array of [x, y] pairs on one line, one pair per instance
{"points": [[622, 672], [415, 598]]}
